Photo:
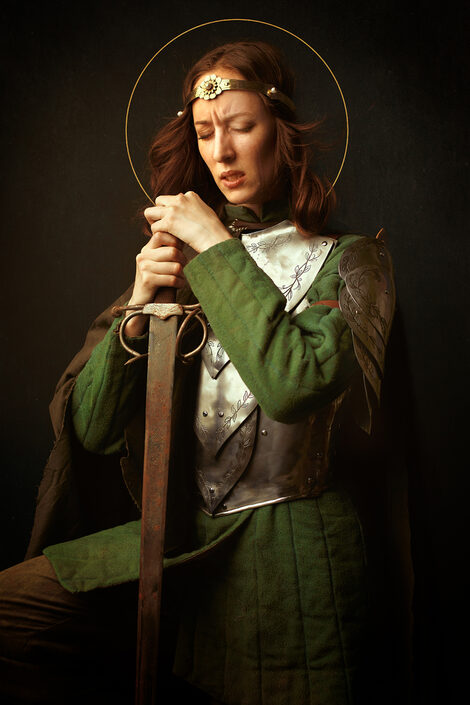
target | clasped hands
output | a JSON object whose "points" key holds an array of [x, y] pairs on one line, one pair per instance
{"points": [[174, 221]]}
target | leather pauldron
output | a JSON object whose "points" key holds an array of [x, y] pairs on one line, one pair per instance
{"points": [[367, 302]]}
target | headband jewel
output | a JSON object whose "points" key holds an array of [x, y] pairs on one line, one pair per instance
{"points": [[211, 86]]}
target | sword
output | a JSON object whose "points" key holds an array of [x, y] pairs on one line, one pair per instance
{"points": [[164, 345]]}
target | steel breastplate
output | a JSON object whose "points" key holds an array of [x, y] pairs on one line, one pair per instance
{"points": [[267, 462], [228, 421]]}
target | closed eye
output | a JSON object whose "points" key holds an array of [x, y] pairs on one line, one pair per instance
{"points": [[247, 128]]}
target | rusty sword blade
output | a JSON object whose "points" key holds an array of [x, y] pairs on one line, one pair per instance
{"points": [[161, 364]]}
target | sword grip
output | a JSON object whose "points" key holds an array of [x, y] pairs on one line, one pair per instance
{"points": [[165, 295]]}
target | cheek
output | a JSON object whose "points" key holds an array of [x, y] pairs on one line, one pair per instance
{"points": [[266, 160], [203, 153], [200, 149]]}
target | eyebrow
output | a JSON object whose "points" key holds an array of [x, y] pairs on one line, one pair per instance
{"points": [[227, 119]]}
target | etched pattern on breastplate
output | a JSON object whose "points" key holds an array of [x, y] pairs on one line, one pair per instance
{"points": [[225, 405]]}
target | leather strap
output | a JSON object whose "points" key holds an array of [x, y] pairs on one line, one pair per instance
{"points": [[327, 302]]}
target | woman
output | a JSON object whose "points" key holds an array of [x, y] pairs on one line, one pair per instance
{"points": [[265, 567]]}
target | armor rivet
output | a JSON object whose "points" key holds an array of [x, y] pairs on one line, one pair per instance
{"points": [[204, 413], [264, 432], [224, 506], [221, 413], [324, 243], [319, 454], [211, 490]]}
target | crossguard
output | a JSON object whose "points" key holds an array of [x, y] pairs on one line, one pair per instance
{"points": [[163, 311]]}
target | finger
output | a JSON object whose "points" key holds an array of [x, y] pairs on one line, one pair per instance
{"points": [[193, 196], [161, 268], [160, 238], [156, 281], [153, 275], [154, 213], [165, 201], [162, 254]]}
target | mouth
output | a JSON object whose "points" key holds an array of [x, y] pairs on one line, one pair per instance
{"points": [[232, 179]]}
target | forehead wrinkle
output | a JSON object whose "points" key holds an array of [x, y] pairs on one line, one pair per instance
{"points": [[227, 106], [228, 118]]}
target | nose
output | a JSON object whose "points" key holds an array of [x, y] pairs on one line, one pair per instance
{"points": [[223, 150]]}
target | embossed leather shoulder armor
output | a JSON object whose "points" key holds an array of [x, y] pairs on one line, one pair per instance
{"points": [[367, 302]]}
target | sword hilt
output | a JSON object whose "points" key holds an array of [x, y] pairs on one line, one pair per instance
{"points": [[163, 310]]}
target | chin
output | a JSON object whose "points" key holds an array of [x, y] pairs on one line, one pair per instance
{"points": [[241, 198], [235, 200]]}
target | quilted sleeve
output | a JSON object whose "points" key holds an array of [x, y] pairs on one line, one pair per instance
{"points": [[292, 365]]}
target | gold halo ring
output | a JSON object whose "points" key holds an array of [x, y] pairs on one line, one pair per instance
{"points": [[236, 19]]}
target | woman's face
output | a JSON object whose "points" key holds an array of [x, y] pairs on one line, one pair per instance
{"points": [[236, 135]]}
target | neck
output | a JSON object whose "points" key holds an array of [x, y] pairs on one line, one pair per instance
{"points": [[272, 210], [257, 208]]}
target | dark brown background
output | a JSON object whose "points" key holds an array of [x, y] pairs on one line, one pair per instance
{"points": [[69, 235]]}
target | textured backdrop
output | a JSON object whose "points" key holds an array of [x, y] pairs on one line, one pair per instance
{"points": [[69, 233]]}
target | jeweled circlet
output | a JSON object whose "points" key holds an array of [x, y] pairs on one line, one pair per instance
{"points": [[212, 86]]}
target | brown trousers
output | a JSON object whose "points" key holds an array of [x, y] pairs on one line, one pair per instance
{"points": [[62, 648]]}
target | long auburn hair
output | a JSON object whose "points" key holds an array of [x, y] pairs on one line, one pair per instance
{"points": [[176, 165]]}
